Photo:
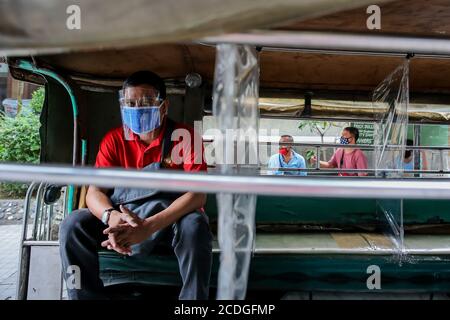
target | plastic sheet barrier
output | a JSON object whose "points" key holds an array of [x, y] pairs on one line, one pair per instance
{"points": [[392, 96], [235, 106]]}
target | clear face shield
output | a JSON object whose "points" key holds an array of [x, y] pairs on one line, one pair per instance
{"points": [[141, 111]]}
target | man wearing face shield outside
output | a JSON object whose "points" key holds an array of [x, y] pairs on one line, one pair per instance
{"points": [[286, 158], [346, 158], [132, 221]]}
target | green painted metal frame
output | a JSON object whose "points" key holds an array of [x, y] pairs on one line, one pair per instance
{"points": [[29, 66]]}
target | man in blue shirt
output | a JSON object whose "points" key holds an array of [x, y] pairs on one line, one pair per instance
{"points": [[287, 158]]}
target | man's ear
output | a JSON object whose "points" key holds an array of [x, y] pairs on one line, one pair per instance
{"points": [[165, 106]]}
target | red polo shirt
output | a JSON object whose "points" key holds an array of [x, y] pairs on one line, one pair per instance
{"points": [[115, 151]]}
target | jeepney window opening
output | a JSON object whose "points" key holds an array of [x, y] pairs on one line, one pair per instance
{"points": [[430, 143]]}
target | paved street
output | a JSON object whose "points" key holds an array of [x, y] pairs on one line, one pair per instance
{"points": [[9, 255], [11, 217]]}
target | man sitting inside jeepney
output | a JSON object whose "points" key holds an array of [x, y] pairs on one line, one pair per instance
{"points": [[132, 221], [286, 158], [347, 158]]}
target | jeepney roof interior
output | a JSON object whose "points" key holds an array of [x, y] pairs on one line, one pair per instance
{"points": [[285, 73], [288, 69]]}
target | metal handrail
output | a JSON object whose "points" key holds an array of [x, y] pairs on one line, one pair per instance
{"points": [[357, 170], [351, 146], [170, 180], [338, 42], [334, 170], [308, 250]]}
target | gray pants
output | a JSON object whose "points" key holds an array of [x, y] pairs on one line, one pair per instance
{"points": [[81, 234]]}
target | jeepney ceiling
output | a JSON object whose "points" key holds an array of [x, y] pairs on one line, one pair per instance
{"points": [[33, 27], [411, 18], [279, 70], [39, 27], [283, 70]]}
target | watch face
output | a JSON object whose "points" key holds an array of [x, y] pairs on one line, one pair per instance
{"points": [[105, 217]]}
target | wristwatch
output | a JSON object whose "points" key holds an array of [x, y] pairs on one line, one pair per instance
{"points": [[106, 214]]}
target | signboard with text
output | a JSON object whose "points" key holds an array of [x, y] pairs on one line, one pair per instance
{"points": [[366, 132]]}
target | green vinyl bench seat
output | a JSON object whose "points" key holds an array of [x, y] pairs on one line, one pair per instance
{"points": [[336, 258], [310, 261]]}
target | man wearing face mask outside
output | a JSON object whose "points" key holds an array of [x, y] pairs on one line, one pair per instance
{"points": [[346, 158], [286, 158], [134, 221]]}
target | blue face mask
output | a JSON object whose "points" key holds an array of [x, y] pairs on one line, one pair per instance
{"points": [[343, 140], [141, 119]]}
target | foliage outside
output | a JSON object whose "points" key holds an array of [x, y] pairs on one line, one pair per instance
{"points": [[20, 141], [319, 127]]}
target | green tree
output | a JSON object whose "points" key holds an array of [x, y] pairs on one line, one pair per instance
{"points": [[320, 127], [20, 141], [37, 100]]}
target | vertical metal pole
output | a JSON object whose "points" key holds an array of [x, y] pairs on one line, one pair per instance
{"points": [[49, 222], [318, 157], [24, 255], [37, 213], [42, 220]]}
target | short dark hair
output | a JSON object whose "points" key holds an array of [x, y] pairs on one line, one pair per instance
{"points": [[353, 131], [149, 78], [287, 136]]}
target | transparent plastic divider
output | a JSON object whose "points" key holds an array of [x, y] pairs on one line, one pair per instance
{"points": [[392, 211], [235, 106], [391, 100]]}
